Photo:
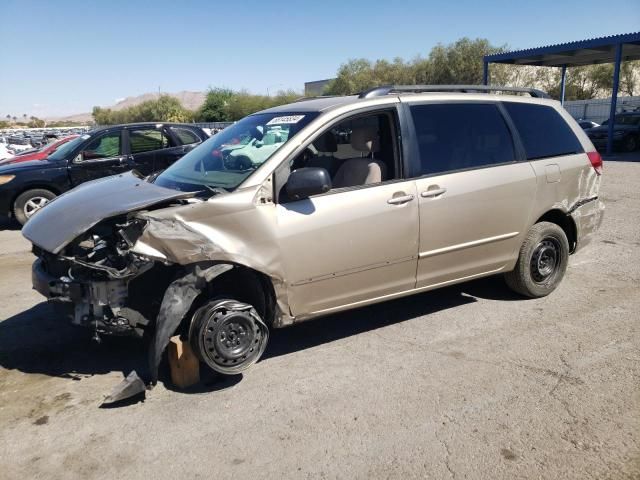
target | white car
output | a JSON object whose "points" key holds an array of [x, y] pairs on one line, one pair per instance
{"points": [[4, 152]]}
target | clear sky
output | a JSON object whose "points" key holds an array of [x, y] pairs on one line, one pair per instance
{"points": [[63, 57]]}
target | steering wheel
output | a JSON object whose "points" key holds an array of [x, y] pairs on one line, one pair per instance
{"points": [[241, 162], [303, 159]]}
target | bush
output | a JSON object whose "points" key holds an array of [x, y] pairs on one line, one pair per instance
{"points": [[165, 109]]}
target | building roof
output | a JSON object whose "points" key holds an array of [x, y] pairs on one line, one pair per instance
{"points": [[573, 54]]}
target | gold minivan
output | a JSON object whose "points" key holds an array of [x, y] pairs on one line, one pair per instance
{"points": [[320, 206]]}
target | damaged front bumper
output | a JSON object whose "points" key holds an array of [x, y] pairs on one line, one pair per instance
{"points": [[99, 304]]}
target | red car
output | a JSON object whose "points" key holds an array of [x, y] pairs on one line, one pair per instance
{"points": [[39, 154]]}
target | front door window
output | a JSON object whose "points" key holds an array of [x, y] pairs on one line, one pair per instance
{"points": [[106, 146]]}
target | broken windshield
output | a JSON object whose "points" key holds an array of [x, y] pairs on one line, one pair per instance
{"points": [[229, 157]]}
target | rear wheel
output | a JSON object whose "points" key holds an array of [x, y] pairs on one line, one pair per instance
{"points": [[542, 261], [630, 143], [227, 335], [29, 202]]}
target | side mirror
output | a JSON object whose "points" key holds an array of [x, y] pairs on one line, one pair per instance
{"points": [[307, 181]]}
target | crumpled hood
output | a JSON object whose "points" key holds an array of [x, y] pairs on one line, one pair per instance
{"points": [[73, 213]]}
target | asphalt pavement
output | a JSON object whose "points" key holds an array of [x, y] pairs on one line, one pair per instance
{"points": [[470, 381]]}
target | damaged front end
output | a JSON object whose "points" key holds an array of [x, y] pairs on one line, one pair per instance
{"points": [[141, 266], [99, 283]]}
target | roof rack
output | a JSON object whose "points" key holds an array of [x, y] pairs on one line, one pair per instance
{"points": [[387, 89]]}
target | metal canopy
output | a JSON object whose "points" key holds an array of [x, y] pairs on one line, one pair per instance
{"points": [[574, 54], [612, 49]]}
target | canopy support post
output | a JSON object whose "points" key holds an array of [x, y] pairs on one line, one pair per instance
{"points": [[614, 97]]}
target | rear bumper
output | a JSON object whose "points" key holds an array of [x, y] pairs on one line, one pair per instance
{"points": [[588, 218]]}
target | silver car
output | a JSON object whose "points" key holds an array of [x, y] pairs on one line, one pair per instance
{"points": [[432, 186]]}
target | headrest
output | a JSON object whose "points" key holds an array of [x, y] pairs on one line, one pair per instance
{"points": [[365, 139], [326, 143]]}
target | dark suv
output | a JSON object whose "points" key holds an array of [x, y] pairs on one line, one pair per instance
{"points": [[146, 147], [626, 132]]}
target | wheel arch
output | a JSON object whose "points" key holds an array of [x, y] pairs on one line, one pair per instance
{"points": [[565, 222], [35, 186], [245, 284]]}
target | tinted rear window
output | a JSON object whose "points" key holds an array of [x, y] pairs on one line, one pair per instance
{"points": [[543, 131], [186, 136], [456, 136]]}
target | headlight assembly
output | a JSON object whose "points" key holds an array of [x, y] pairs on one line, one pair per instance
{"points": [[6, 179]]}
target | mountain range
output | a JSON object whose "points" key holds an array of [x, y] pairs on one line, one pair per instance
{"points": [[188, 99]]}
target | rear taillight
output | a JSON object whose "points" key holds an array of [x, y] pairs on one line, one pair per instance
{"points": [[596, 161]]}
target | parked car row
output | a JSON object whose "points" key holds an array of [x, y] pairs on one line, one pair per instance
{"points": [[26, 186], [626, 132], [37, 153]]}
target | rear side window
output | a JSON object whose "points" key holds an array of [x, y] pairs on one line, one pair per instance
{"points": [[543, 131], [147, 140], [185, 135], [457, 136]]}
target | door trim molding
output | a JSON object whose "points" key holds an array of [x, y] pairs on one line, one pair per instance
{"points": [[462, 246], [392, 296], [353, 270]]}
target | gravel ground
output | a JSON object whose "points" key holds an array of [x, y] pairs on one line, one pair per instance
{"points": [[465, 382]]}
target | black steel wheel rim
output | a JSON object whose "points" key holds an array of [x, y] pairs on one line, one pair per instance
{"points": [[545, 260], [234, 336], [229, 336]]}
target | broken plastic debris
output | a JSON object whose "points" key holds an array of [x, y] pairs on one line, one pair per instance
{"points": [[131, 386]]}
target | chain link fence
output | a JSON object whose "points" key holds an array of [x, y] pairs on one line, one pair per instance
{"points": [[597, 109]]}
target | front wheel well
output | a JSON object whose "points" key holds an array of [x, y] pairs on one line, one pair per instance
{"points": [[37, 186], [565, 222], [246, 285]]}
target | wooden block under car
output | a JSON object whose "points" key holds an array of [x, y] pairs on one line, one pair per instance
{"points": [[185, 366]]}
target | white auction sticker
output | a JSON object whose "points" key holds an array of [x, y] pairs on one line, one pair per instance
{"points": [[285, 120]]}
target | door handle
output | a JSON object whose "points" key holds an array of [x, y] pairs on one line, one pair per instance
{"points": [[433, 193], [400, 200]]}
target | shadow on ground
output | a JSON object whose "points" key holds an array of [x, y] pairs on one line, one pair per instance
{"points": [[9, 224], [38, 341]]}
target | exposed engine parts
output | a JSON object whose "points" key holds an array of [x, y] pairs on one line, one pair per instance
{"points": [[227, 335], [90, 279]]}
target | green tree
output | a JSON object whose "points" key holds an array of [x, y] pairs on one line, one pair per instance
{"points": [[456, 63], [165, 109], [630, 78], [244, 103], [214, 108], [35, 122]]}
